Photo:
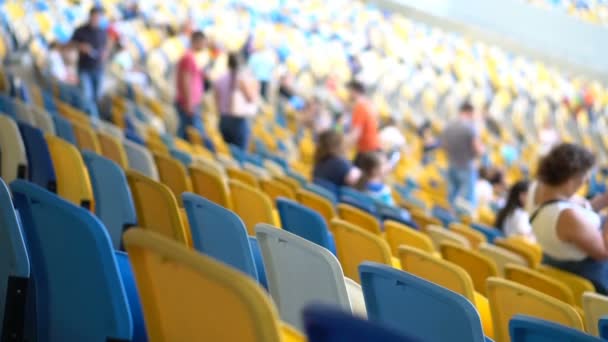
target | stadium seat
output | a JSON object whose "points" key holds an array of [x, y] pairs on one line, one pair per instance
{"points": [[326, 323], [293, 184], [329, 186], [13, 157], [43, 120], [14, 269], [529, 329], [64, 130], [114, 204], [423, 221], [128, 281], [63, 241], [275, 189], [539, 282], [477, 265], [174, 175], [355, 245], [603, 327], [321, 191], [141, 160], [86, 139], [305, 223], [508, 299], [531, 253], [183, 291], [595, 307], [113, 149], [391, 294], [502, 257], [251, 204], [359, 218], [398, 234], [439, 234], [490, 233], [475, 238], [41, 170], [157, 208], [256, 251], [210, 182], [73, 182], [184, 158], [285, 256], [318, 203], [577, 284], [219, 233], [243, 176]]}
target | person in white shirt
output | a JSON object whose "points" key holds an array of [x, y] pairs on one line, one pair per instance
{"points": [[56, 65], [513, 219]]}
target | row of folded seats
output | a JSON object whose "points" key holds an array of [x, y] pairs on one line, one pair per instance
{"points": [[229, 207]]}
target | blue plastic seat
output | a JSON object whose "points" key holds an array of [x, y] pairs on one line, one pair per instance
{"points": [[530, 329], [326, 323], [259, 261], [603, 327], [237, 153], [128, 280], [41, 170], [416, 307], [64, 129], [390, 213], [14, 270], [329, 186], [183, 157], [358, 199], [78, 291], [113, 201], [219, 233], [8, 107], [296, 176], [305, 223], [321, 191], [490, 233], [443, 215]]}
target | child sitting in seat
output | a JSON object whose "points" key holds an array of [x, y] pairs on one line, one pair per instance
{"points": [[374, 167], [331, 164]]}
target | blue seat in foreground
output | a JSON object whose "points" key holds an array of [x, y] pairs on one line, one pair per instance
{"points": [[530, 329], [78, 290], [305, 223], [41, 169], [603, 327]]}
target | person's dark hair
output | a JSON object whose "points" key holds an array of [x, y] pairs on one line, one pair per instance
{"points": [[368, 162], [96, 10], [53, 45], [197, 36], [329, 145], [513, 202], [466, 107], [234, 64], [563, 162], [356, 86]]}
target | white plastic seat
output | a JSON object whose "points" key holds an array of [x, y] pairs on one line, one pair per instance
{"points": [[141, 160], [501, 257], [43, 120]]}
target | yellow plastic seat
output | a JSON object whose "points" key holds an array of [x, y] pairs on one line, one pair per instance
{"points": [[356, 245], [274, 189], [423, 220], [501, 257], [359, 218], [478, 266], [243, 177], [577, 284], [439, 234], [448, 275], [112, 149], [398, 234], [318, 203], [293, 184], [595, 306], [187, 296], [252, 205], [532, 253], [86, 139], [194, 136], [173, 174], [157, 208], [508, 299], [539, 282], [475, 238], [210, 182], [73, 182]]}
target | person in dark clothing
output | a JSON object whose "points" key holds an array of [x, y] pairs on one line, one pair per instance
{"points": [[331, 164]]}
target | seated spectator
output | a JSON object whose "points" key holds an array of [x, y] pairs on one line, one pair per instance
{"points": [[331, 163], [429, 141], [57, 67], [512, 219], [569, 232], [373, 171], [128, 70], [316, 116]]}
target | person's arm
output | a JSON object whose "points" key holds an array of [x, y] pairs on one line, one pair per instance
{"points": [[353, 176], [599, 202], [185, 81], [478, 147], [573, 227], [249, 88]]}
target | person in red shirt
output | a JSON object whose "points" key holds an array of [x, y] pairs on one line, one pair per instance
{"points": [[190, 86], [364, 122]]}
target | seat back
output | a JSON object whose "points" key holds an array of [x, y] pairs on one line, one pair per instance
{"points": [[13, 158], [603, 327], [423, 220], [114, 203], [173, 174], [140, 159], [112, 148], [14, 269], [43, 120], [508, 299], [252, 205], [326, 323], [275, 189], [63, 129], [595, 306], [539, 282], [398, 234], [477, 265], [64, 242], [243, 176], [86, 139], [475, 238], [128, 281], [304, 222], [529, 329], [531, 253], [211, 183], [355, 245], [219, 233], [321, 191], [440, 272], [577, 284], [285, 256], [73, 182], [156, 207], [440, 234], [359, 218], [41, 170], [390, 295], [502, 257], [183, 291], [318, 203]]}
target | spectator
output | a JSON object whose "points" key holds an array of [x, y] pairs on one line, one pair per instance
{"points": [[91, 41], [190, 88], [373, 169], [123, 62], [237, 99], [364, 122], [569, 231], [315, 116], [262, 63], [330, 162], [429, 141], [57, 67], [392, 141], [512, 219], [462, 145]]}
